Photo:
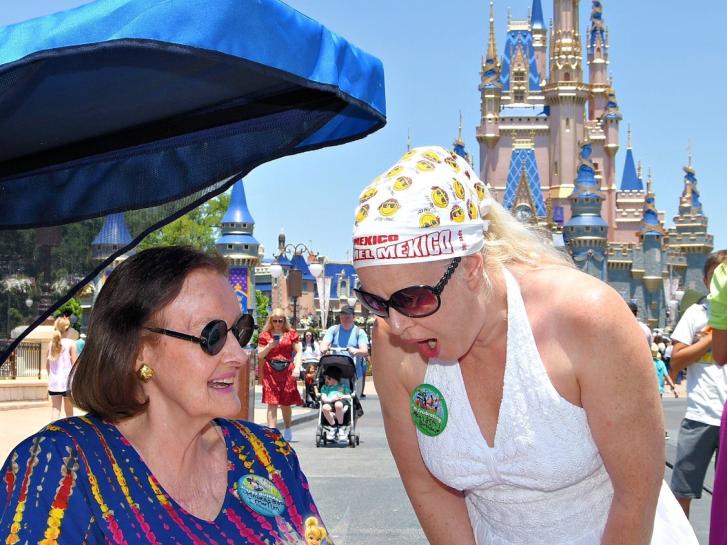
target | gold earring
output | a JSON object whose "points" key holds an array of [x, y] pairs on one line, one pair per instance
{"points": [[145, 373]]}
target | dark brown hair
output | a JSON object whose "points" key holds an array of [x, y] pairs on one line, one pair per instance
{"points": [[713, 260], [104, 381]]}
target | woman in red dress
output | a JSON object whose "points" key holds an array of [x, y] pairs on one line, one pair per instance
{"points": [[276, 345]]}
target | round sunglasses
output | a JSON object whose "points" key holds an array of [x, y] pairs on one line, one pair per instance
{"points": [[214, 334], [414, 301]]}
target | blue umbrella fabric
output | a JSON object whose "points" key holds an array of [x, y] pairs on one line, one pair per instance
{"points": [[149, 108]]}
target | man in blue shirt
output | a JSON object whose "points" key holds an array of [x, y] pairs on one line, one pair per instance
{"points": [[347, 336]]}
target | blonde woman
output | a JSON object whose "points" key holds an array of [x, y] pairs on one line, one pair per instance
{"points": [[512, 417], [280, 348], [61, 357]]}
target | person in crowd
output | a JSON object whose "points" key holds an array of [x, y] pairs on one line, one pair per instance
{"points": [[644, 328], [280, 347], [80, 343], [333, 393], [348, 337], [160, 457], [310, 356], [61, 357], [511, 417], [706, 393], [662, 375], [718, 323]]}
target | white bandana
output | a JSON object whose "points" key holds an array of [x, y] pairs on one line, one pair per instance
{"points": [[428, 206]]}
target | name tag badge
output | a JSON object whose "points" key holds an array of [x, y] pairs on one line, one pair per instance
{"points": [[260, 495], [428, 410]]}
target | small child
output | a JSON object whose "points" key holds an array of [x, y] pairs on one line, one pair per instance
{"points": [[662, 375], [332, 394]]}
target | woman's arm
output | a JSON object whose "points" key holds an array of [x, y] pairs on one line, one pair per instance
{"points": [[615, 374], [74, 355], [671, 384], [298, 358], [719, 345], [441, 510]]}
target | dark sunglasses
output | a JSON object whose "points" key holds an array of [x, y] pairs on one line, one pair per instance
{"points": [[414, 301], [278, 321], [214, 334]]}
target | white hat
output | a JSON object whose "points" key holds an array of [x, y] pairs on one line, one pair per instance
{"points": [[428, 206]]}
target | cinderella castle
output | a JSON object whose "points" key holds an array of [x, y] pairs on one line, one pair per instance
{"points": [[549, 139]]}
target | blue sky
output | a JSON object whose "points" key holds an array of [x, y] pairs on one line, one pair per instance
{"points": [[667, 60]]}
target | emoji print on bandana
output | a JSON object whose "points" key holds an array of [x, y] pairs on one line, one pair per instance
{"points": [[432, 156], [458, 188], [424, 166], [362, 213], [457, 214], [471, 209], [409, 154], [389, 207], [366, 195], [402, 183], [394, 171], [439, 197], [451, 162], [480, 189], [427, 219]]}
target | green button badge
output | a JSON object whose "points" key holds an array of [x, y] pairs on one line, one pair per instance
{"points": [[428, 410]]}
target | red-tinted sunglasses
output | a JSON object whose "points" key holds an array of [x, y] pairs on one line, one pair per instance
{"points": [[414, 301], [214, 334]]}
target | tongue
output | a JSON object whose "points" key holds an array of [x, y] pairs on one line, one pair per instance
{"points": [[427, 350]]}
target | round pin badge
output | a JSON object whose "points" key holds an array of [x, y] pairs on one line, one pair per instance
{"points": [[428, 410], [260, 495]]}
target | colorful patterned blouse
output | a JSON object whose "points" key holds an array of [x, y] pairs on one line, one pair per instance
{"points": [[79, 481]]}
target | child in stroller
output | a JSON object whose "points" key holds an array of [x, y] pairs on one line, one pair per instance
{"points": [[333, 395], [336, 380]]}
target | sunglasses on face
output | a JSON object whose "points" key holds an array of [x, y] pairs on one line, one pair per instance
{"points": [[278, 321], [214, 334], [414, 301]]}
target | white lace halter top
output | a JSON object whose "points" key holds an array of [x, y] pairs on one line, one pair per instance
{"points": [[543, 480]]}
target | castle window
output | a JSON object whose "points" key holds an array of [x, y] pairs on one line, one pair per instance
{"points": [[566, 76], [555, 167], [518, 96], [229, 246], [518, 77], [567, 123], [246, 246]]}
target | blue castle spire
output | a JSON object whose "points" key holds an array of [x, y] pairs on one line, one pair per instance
{"points": [[586, 231], [458, 144], [113, 236], [689, 203], [237, 227], [598, 29], [630, 180], [536, 15]]}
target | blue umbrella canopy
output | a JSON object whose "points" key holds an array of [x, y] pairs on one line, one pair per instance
{"points": [[151, 107]]}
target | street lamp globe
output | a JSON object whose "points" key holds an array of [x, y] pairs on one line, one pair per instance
{"points": [[28, 302], [316, 269], [352, 301], [276, 271]]}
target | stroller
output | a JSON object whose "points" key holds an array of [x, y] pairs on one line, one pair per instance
{"points": [[352, 406]]}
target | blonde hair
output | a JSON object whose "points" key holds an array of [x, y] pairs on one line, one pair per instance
{"points": [[509, 241], [313, 532], [276, 313], [60, 326]]}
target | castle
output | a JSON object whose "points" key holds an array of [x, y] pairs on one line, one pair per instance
{"points": [[548, 142]]}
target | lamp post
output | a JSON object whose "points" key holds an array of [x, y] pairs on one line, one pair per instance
{"points": [[294, 276], [323, 285]]}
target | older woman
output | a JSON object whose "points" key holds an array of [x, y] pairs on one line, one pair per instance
{"points": [[280, 347], [512, 418], [158, 458]]}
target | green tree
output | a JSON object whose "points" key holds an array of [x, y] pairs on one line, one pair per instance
{"points": [[262, 302], [198, 228], [72, 307]]}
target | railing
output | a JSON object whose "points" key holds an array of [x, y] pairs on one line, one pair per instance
{"points": [[24, 361]]}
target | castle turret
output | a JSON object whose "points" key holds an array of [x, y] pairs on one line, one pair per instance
{"points": [[629, 200], [458, 145], [586, 232], [611, 120], [654, 264], [490, 93], [689, 234], [597, 62], [565, 95], [239, 247], [113, 236], [540, 38]]}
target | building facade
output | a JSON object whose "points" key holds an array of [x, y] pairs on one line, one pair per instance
{"points": [[548, 143]]}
